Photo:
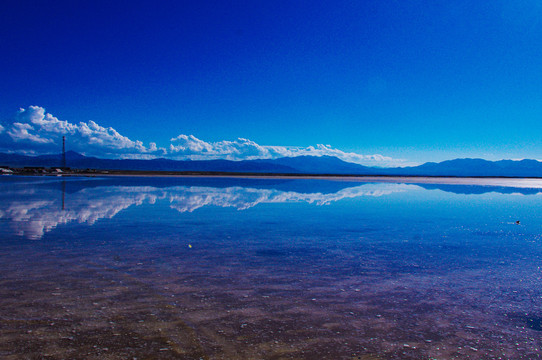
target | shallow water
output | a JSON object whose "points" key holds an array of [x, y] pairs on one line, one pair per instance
{"points": [[190, 268]]}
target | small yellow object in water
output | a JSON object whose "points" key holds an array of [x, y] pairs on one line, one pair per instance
{"points": [[190, 246]]}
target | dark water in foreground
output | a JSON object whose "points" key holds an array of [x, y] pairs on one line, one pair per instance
{"points": [[124, 268]]}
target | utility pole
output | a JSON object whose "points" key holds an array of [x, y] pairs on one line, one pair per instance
{"points": [[63, 151]]}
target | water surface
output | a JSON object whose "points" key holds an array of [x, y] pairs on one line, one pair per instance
{"points": [[190, 268]]}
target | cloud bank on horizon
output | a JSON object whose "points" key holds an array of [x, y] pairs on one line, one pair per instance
{"points": [[32, 131]]}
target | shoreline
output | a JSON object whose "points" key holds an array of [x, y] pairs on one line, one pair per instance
{"points": [[518, 182]]}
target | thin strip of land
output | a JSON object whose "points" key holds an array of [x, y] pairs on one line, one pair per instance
{"points": [[533, 183]]}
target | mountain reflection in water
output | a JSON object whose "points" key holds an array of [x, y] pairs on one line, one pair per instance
{"points": [[34, 206], [35, 211]]}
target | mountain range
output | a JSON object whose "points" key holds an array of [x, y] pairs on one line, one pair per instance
{"points": [[286, 165]]}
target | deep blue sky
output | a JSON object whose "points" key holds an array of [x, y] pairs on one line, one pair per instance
{"points": [[416, 80]]}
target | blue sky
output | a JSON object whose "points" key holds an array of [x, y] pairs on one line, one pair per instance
{"points": [[412, 81]]}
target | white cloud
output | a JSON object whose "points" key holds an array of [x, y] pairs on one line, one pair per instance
{"points": [[21, 132], [327, 150], [240, 149], [188, 146], [34, 131]]}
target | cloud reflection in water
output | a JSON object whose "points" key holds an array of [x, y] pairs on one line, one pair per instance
{"points": [[31, 212]]}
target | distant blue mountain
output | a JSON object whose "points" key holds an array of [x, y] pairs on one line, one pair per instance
{"points": [[287, 165], [474, 167], [321, 165]]}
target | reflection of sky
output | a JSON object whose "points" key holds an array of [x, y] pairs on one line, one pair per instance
{"points": [[32, 216], [33, 206], [192, 198], [31, 212]]}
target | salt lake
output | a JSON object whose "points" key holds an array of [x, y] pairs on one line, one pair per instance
{"points": [[222, 268]]}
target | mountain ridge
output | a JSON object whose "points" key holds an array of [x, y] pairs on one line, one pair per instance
{"points": [[327, 165]]}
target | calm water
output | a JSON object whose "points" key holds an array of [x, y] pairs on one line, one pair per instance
{"points": [[174, 268]]}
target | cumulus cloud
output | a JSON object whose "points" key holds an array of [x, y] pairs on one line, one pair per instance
{"points": [[189, 146], [22, 132], [194, 148], [34, 131]]}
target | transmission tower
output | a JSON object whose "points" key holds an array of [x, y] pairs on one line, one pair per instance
{"points": [[63, 151]]}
